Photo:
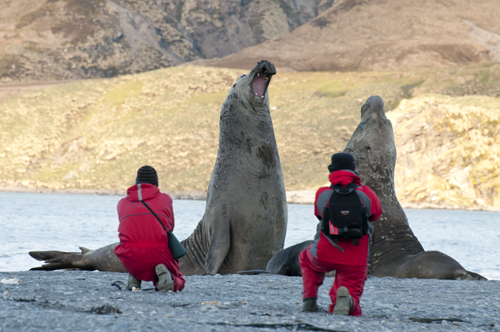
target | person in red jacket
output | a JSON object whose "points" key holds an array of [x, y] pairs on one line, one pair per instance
{"points": [[350, 261], [143, 248]]}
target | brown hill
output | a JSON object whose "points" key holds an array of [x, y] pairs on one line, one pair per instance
{"points": [[383, 35], [47, 40]]}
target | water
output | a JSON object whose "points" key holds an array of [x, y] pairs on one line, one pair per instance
{"points": [[31, 221]]}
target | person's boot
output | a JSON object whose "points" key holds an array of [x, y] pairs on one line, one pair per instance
{"points": [[133, 283], [165, 280], [310, 305], [344, 302]]}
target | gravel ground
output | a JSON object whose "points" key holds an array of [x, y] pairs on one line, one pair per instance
{"points": [[88, 301]]}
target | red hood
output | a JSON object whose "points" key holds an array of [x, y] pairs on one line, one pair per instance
{"points": [[344, 178], [148, 191]]}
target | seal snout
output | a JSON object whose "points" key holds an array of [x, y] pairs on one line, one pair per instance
{"points": [[376, 103], [373, 105], [267, 68]]}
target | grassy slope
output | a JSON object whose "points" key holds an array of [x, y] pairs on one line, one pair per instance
{"points": [[95, 134]]}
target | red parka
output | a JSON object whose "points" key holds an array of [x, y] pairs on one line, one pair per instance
{"points": [[353, 255], [143, 241]]}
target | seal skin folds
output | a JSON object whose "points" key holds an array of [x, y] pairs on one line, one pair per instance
{"points": [[245, 219], [246, 215]]}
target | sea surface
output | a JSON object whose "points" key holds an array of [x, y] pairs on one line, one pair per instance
{"points": [[35, 221]]}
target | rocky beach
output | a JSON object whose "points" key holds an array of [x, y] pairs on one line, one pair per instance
{"points": [[97, 301]]}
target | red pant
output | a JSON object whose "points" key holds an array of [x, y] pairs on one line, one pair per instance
{"points": [[140, 262], [351, 277]]}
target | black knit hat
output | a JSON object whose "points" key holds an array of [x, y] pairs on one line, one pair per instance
{"points": [[147, 174], [342, 161]]}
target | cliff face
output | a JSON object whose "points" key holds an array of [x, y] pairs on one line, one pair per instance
{"points": [[47, 40], [448, 150]]}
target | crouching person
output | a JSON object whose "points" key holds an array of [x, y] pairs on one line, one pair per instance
{"points": [[342, 239], [143, 248]]}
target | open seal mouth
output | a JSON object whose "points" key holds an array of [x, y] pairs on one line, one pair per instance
{"points": [[261, 77], [260, 83]]}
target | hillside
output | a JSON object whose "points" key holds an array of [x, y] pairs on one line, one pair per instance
{"points": [[93, 135], [383, 35], [47, 40]]}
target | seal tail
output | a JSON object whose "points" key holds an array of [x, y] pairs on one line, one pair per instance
{"points": [[56, 260]]}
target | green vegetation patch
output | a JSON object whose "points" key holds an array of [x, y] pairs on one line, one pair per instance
{"points": [[124, 91]]}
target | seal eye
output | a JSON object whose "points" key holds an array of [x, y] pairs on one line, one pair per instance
{"points": [[259, 84]]}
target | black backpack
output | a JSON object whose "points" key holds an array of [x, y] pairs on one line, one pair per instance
{"points": [[345, 216]]}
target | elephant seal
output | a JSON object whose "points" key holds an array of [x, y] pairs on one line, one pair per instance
{"points": [[246, 214], [245, 219], [396, 251]]}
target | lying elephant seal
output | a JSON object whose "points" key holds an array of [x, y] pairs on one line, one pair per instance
{"points": [[396, 251], [245, 219]]}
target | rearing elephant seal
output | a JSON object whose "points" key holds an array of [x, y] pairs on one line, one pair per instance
{"points": [[396, 251], [246, 215]]}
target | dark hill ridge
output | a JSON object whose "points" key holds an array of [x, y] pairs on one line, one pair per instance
{"points": [[47, 40], [383, 35]]}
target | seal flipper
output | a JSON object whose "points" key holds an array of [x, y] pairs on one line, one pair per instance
{"points": [[56, 260], [220, 242], [48, 255]]}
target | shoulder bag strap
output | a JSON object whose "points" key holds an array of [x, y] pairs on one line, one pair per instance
{"points": [[154, 214]]}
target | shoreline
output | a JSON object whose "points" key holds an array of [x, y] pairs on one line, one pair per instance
{"points": [[90, 301], [293, 197]]}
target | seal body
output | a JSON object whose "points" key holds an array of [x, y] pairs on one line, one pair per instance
{"points": [[396, 251], [286, 262], [245, 219]]}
